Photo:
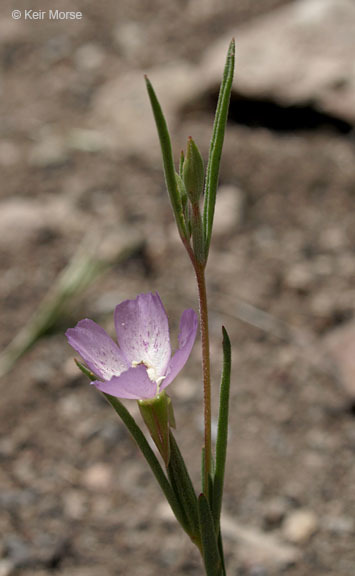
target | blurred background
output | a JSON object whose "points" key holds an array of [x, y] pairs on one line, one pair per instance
{"points": [[83, 192]]}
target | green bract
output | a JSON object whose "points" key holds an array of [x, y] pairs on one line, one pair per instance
{"points": [[158, 416], [193, 172]]}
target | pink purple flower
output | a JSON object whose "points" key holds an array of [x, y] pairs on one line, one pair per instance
{"points": [[141, 365]]}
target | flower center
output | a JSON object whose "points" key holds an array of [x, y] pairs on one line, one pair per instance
{"points": [[151, 371]]}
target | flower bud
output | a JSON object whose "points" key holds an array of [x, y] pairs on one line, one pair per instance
{"points": [[184, 203], [193, 172], [158, 416]]}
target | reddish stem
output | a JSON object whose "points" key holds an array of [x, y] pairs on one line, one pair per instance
{"points": [[206, 370]]}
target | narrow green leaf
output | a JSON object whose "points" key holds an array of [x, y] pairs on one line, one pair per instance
{"points": [[210, 550], [181, 164], [168, 162], [183, 487], [222, 433], [150, 457], [211, 476], [217, 145], [147, 452], [221, 551]]}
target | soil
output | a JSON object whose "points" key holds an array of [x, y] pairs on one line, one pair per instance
{"points": [[76, 496]]}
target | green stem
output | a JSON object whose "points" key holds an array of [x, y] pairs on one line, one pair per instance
{"points": [[206, 370]]}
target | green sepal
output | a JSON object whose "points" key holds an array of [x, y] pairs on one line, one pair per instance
{"points": [[168, 162], [198, 241], [158, 416], [193, 172], [151, 459], [171, 415], [216, 146], [222, 432], [183, 198], [85, 370], [211, 556], [184, 490]]}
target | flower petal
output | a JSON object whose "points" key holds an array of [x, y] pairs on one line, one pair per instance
{"points": [[98, 350], [143, 332], [133, 384], [187, 335]]}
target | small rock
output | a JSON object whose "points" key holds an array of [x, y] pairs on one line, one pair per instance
{"points": [[300, 277], [131, 478], [112, 433], [333, 238], [6, 567], [43, 372], [10, 154], [339, 524], [258, 571], [89, 57], [19, 220], [323, 305], [130, 38], [98, 477], [258, 549], [165, 513], [49, 152], [13, 500], [13, 34], [75, 504], [7, 448], [229, 211], [299, 526], [23, 220], [274, 512], [86, 140], [18, 551], [57, 48], [70, 406], [317, 67], [315, 38], [340, 344], [122, 109], [49, 549]]}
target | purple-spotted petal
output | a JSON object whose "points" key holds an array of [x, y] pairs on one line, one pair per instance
{"points": [[133, 384], [143, 332], [97, 349], [187, 335]]}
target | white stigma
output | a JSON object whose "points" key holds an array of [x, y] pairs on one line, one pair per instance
{"points": [[151, 371]]}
